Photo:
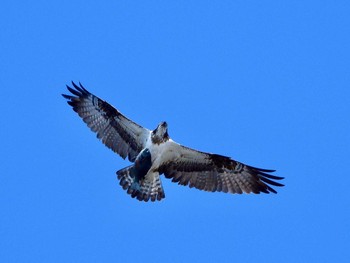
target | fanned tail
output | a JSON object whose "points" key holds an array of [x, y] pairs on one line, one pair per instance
{"points": [[145, 189]]}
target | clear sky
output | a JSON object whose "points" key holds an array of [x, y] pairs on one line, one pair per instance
{"points": [[265, 82]]}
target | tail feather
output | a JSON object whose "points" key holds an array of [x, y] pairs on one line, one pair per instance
{"points": [[124, 175], [148, 188]]}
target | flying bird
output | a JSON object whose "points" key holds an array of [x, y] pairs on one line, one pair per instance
{"points": [[153, 153]]}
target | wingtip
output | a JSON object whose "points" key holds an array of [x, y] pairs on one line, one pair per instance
{"points": [[66, 96], [75, 85], [81, 85]]}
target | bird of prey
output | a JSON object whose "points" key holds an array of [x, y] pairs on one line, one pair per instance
{"points": [[153, 153]]}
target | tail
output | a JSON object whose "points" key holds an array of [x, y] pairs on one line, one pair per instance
{"points": [[149, 187]]}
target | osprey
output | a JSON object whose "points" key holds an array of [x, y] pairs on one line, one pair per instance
{"points": [[153, 153]]}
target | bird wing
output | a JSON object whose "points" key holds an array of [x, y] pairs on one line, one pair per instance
{"points": [[116, 131], [215, 173]]}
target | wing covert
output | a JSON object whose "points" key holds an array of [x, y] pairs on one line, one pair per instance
{"points": [[117, 132]]}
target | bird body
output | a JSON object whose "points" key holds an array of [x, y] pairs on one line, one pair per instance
{"points": [[154, 153]]}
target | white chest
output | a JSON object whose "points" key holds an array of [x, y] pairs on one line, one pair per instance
{"points": [[161, 153]]}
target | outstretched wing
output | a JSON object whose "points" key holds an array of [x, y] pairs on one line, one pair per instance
{"points": [[215, 173], [117, 132]]}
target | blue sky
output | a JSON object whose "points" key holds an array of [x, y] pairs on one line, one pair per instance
{"points": [[265, 82]]}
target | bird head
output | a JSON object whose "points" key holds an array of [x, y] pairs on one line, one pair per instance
{"points": [[160, 134]]}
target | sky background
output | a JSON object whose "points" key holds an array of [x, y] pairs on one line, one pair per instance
{"points": [[265, 82]]}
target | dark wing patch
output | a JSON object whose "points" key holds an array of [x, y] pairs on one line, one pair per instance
{"points": [[217, 173], [117, 132]]}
